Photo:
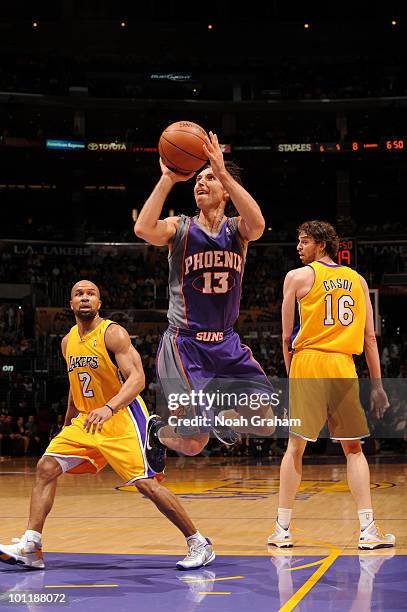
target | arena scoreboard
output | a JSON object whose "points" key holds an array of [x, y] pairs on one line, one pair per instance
{"points": [[347, 252], [394, 145], [398, 144]]}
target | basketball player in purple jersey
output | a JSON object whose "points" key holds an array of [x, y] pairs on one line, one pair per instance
{"points": [[206, 263]]}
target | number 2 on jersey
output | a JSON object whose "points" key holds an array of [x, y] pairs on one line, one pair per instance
{"points": [[85, 379], [345, 313]]}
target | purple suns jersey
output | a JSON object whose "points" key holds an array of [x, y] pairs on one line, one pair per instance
{"points": [[205, 276]]}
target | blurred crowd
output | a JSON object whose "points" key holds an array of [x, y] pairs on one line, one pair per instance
{"points": [[137, 276], [37, 230], [16, 336], [32, 402]]}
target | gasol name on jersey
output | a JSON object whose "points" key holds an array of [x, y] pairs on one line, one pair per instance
{"points": [[337, 283]]}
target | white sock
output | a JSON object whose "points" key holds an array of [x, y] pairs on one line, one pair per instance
{"points": [[33, 536], [196, 536], [365, 517], [284, 517]]}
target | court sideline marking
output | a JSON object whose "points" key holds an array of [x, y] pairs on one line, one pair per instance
{"points": [[324, 565]]}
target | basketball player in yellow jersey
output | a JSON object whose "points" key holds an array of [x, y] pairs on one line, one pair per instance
{"points": [[335, 321], [105, 423]]}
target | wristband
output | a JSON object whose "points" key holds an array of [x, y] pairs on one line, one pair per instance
{"points": [[110, 408]]}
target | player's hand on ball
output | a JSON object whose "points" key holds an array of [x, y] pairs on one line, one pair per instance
{"points": [[379, 402], [174, 176], [214, 152], [95, 419]]}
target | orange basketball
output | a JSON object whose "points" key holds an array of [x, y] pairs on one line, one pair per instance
{"points": [[181, 147]]}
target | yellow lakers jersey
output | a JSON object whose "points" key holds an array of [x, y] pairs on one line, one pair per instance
{"points": [[332, 315], [93, 377]]}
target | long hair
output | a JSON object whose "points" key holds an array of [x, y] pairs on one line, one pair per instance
{"points": [[321, 231]]}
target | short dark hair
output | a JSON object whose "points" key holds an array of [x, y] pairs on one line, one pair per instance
{"points": [[321, 231], [236, 172], [232, 168]]}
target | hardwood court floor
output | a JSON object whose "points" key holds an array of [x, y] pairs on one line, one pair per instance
{"points": [[233, 503]]}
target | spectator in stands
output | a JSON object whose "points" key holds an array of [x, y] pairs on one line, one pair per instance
{"points": [[394, 352], [31, 430], [385, 361], [43, 427], [8, 435], [57, 426], [21, 440], [2, 420]]}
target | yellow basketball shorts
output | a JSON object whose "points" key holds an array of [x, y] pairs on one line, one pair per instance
{"points": [[324, 388], [120, 444]]}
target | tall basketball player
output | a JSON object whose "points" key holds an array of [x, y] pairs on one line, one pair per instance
{"points": [[105, 423], [327, 317], [200, 349]]}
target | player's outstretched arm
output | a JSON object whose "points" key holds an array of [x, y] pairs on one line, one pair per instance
{"points": [[378, 399], [251, 223], [71, 410], [287, 315], [128, 360], [149, 226]]}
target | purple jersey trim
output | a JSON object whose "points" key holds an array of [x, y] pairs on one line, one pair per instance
{"points": [[297, 326], [141, 420], [330, 265]]}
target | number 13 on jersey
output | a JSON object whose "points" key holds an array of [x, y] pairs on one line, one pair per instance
{"points": [[215, 282]]}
